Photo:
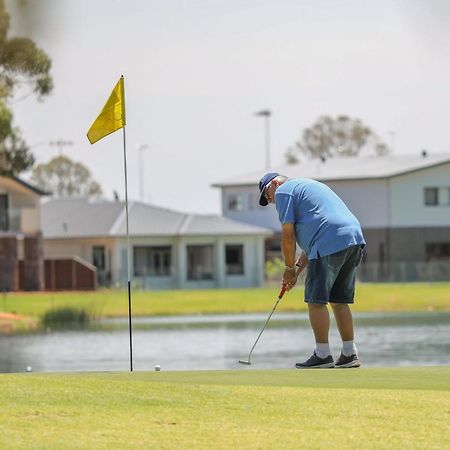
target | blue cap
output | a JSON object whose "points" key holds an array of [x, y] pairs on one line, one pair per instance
{"points": [[263, 182]]}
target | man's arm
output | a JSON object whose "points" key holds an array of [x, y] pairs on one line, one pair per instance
{"points": [[288, 246], [302, 262]]}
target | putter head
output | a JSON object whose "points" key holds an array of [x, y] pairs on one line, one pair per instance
{"points": [[246, 363]]}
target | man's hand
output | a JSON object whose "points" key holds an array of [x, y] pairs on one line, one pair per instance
{"points": [[289, 277]]}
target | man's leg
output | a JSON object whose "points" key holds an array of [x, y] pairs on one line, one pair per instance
{"points": [[319, 318], [317, 290], [341, 296], [344, 320]]}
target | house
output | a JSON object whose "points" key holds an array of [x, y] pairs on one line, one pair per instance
{"points": [[22, 263], [20, 235], [401, 201], [169, 249]]}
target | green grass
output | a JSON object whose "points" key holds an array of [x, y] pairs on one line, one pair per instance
{"points": [[246, 409], [369, 297]]}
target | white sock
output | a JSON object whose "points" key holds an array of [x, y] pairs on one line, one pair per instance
{"points": [[349, 348], [323, 350]]}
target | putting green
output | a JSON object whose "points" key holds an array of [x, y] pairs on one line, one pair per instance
{"points": [[242, 409]]}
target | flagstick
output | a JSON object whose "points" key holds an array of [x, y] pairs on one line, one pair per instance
{"points": [[128, 249]]}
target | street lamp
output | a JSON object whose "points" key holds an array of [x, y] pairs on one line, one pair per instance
{"points": [[266, 113]]}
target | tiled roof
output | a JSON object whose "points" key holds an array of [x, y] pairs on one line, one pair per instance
{"points": [[69, 218]]}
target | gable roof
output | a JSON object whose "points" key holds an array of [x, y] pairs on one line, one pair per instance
{"points": [[359, 168], [24, 184], [81, 217]]}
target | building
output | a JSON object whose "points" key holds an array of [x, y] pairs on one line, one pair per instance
{"points": [[20, 236], [169, 249], [401, 201]]}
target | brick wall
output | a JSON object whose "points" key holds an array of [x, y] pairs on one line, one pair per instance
{"points": [[9, 273], [33, 264]]}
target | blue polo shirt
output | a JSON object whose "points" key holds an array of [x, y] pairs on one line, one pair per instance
{"points": [[323, 223]]}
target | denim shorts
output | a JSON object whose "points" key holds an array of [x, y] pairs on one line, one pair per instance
{"points": [[331, 278]]}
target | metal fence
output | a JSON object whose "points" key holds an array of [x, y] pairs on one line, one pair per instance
{"points": [[399, 272], [404, 271]]}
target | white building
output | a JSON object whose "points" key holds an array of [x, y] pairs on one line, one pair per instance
{"points": [[169, 249], [401, 201]]}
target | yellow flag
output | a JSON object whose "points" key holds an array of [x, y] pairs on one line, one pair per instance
{"points": [[111, 117]]}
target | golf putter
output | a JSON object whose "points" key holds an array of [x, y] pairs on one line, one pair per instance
{"points": [[280, 296]]}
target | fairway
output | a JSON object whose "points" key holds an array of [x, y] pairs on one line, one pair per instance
{"points": [[111, 303], [245, 409]]}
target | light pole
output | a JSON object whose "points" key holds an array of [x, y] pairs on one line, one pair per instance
{"points": [[141, 148], [60, 143], [266, 113]]}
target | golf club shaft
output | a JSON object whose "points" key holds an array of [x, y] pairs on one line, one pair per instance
{"points": [[280, 296]]}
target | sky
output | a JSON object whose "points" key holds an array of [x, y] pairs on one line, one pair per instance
{"points": [[196, 71]]}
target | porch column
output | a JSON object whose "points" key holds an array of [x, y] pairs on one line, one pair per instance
{"points": [[260, 261], [180, 266], [220, 263]]}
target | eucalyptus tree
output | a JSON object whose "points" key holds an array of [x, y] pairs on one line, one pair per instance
{"points": [[24, 67], [333, 137], [63, 177]]}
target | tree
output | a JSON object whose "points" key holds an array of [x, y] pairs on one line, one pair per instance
{"points": [[65, 178], [22, 64], [340, 136], [17, 158]]}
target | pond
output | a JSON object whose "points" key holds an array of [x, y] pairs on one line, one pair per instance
{"points": [[216, 342]]}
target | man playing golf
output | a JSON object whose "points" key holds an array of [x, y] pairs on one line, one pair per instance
{"points": [[316, 219]]}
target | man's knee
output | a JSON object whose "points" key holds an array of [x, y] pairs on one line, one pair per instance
{"points": [[336, 305], [317, 305]]}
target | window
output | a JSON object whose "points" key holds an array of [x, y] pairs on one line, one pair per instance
{"points": [[152, 261], [98, 257], [253, 201], [444, 196], [200, 262], [431, 196], [437, 250], [437, 196], [4, 216], [234, 259], [235, 202]]}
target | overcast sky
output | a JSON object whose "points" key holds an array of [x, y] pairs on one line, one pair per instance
{"points": [[197, 70]]}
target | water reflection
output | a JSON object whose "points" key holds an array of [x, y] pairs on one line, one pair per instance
{"points": [[217, 342]]}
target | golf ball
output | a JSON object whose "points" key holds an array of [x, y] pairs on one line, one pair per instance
{"points": [[157, 367]]}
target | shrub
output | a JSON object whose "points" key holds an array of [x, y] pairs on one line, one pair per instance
{"points": [[65, 318], [274, 269]]}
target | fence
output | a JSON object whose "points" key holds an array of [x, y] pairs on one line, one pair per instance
{"points": [[405, 271], [401, 271], [69, 274]]}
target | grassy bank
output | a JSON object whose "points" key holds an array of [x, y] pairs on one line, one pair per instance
{"points": [[110, 303], [245, 409]]}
